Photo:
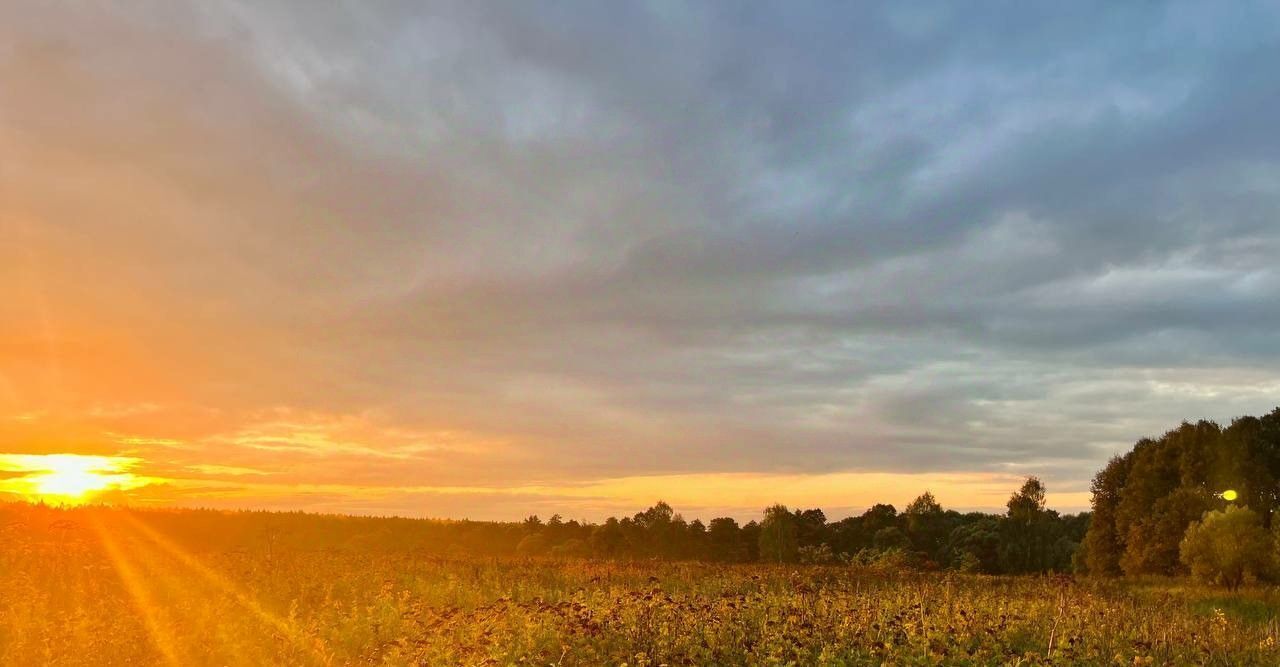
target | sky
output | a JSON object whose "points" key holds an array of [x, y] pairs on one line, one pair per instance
{"points": [[492, 259]]}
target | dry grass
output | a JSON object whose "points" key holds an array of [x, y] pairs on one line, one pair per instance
{"points": [[109, 587]]}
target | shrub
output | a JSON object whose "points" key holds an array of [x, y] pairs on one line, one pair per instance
{"points": [[1227, 547], [817, 555]]}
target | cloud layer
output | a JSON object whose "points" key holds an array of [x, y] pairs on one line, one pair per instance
{"points": [[545, 246]]}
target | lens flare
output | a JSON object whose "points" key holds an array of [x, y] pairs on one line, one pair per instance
{"points": [[68, 479]]}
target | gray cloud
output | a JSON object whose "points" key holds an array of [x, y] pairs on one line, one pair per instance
{"points": [[633, 239]]}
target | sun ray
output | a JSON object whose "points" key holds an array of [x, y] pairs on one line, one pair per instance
{"points": [[227, 633], [225, 586], [68, 479], [138, 590]]}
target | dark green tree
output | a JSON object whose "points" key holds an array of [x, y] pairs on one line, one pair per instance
{"points": [[890, 538], [1024, 543], [725, 540], [811, 527], [975, 546], [927, 526], [1103, 542], [778, 542]]}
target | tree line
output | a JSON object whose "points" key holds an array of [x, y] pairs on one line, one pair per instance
{"points": [[1160, 509], [1200, 492], [1027, 538]]}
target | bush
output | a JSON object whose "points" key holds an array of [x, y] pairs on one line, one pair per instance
{"points": [[532, 545], [818, 555], [1227, 547]]}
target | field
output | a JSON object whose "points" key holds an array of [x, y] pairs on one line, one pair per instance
{"points": [[98, 586]]}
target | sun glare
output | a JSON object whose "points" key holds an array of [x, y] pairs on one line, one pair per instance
{"points": [[67, 478]]}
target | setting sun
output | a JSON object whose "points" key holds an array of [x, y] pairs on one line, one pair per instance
{"points": [[71, 478], [67, 478]]}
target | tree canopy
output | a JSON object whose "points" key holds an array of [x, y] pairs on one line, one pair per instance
{"points": [[1145, 500]]}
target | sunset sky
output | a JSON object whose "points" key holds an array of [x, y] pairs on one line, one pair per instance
{"points": [[494, 259]]}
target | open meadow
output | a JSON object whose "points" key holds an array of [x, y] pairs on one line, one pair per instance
{"points": [[105, 586], [888, 332]]}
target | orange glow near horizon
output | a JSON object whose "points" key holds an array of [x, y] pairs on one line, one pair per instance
{"points": [[67, 479]]}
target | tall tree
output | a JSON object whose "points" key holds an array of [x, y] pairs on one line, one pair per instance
{"points": [[1153, 541], [778, 535], [811, 527], [725, 538], [926, 525], [1103, 543], [1024, 545], [975, 546]]}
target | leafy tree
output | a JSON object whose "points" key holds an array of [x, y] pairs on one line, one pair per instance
{"points": [[1103, 542], [975, 547], [725, 540], [660, 529], [1252, 445], [820, 554], [1025, 536], [1027, 504], [926, 525], [890, 538], [608, 540], [924, 505], [660, 514], [846, 536], [571, 548], [778, 542], [1144, 501], [1225, 547], [533, 544], [1153, 542], [697, 542], [811, 527], [750, 541], [879, 516], [1154, 472]]}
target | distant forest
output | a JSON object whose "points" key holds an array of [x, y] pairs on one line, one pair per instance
{"points": [[1028, 538], [1146, 504]]}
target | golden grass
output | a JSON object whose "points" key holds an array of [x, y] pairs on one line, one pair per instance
{"points": [[94, 586]]}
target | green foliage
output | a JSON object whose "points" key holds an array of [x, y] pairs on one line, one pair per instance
{"points": [[811, 527], [1152, 545], [1103, 544], [1027, 505], [725, 541], [820, 554], [778, 542], [1227, 547], [975, 547], [573, 548], [1144, 501], [1033, 539], [891, 538], [924, 535], [534, 544], [927, 525]]}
